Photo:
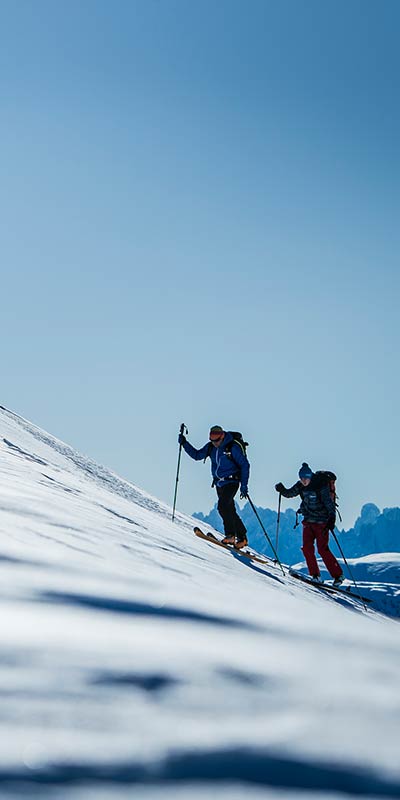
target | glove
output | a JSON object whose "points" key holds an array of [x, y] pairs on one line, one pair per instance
{"points": [[332, 522], [279, 487], [243, 492], [181, 439]]}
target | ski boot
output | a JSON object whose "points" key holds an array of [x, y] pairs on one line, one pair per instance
{"points": [[241, 542], [316, 578], [230, 539]]}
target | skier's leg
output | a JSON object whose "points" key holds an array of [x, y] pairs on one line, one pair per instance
{"points": [[233, 525], [225, 502], [331, 563], [308, 549]]}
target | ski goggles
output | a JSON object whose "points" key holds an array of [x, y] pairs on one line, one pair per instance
{"points": [[216, 437]]}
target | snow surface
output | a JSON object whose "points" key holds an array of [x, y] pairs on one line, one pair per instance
{"points": [[135, 657]]}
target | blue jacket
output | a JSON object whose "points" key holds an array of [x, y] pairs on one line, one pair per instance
{"points": [[226, 466]]}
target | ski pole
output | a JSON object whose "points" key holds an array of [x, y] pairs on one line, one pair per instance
{"points": [[182, 430], [278, 519], [350, 572], [265, 533]]}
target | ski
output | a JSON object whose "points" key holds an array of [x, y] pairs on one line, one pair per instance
{"points": [[346, 591], [209, 537]]}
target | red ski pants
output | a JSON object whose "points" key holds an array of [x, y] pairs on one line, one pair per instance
{"points": [[319, 532]]}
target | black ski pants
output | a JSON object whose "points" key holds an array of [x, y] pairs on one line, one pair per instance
{"points": [[233, 525]]}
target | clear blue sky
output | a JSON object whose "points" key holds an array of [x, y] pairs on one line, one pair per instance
{"points": [[200, 222]]}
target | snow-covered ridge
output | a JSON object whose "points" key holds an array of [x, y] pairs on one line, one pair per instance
{"points": [[135, 656], [102, 475]]}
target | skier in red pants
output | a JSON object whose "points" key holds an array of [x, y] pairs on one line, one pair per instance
{"points": [[319, 516]]}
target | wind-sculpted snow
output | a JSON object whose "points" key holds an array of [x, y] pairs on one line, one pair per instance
{"points": [[140, 609], [248, 767], [139, 661]]}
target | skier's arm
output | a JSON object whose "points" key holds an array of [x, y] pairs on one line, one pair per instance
{"points": [[242, 461], [294, 490], [326, 499], [197, 455]]}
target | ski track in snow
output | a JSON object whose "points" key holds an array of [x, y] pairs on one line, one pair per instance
{"points": [[137, 658]]}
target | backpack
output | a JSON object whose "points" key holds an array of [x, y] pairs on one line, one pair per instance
{"points": [[325, 478], [237, 439], [328, 478]]}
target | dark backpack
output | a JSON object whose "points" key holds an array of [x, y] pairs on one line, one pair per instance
{"points": [[324, 478], [328, 478], [237, 439]]}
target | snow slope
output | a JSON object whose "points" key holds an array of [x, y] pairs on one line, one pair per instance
{"points": [[135, 657]]}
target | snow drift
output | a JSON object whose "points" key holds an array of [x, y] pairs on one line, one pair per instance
{"points": [[135, 656]]}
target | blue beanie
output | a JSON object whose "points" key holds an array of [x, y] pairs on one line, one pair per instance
{"points": [[305, 471]]}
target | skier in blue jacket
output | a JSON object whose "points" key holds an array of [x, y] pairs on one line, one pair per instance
{"points": [[230, 469]]}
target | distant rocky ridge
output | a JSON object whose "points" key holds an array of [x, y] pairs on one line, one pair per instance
{"points": [[375, 531]]}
